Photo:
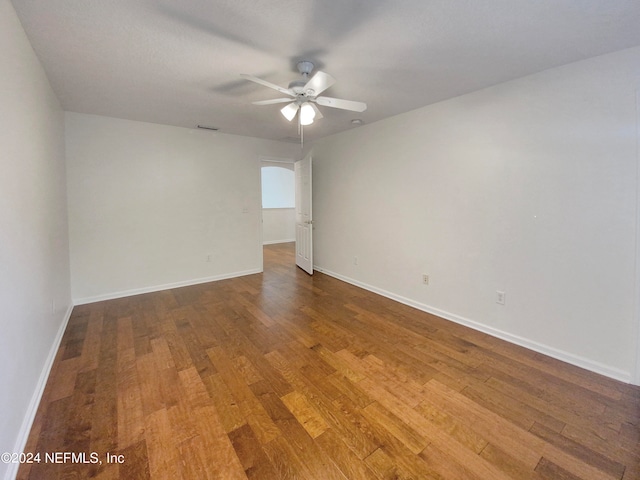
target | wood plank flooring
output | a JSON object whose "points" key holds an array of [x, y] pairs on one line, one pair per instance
{"points": [[285, 376]]}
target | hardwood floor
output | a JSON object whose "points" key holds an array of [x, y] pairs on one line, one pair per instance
{"points": [[281, 376]]}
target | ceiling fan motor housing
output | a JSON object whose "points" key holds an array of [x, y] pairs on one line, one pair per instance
{"points": [[305, 67], [298, 86]]}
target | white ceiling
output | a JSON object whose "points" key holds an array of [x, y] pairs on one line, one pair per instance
{"points": [[177, 62]]}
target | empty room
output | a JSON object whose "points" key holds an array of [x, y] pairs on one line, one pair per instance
{"points": [[320, 240]]}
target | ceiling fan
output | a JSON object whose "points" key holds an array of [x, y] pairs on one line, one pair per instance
{"points": [[304, 94]]}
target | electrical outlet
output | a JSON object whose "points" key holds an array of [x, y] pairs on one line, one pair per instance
{"points": [[208, 257], [425, 279], [500, 297], [355, 260]]}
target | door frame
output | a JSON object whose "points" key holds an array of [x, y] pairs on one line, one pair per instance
{"points": [[636, 311], [262, 160]]}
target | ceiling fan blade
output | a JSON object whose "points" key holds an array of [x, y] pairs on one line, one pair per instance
{"points": [[342, 104], [317, 110], [271, 102], [318, 84], [286, 91], [289, 111]]}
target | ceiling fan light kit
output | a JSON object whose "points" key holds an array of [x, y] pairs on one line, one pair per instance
{"points": [[289, 111], [304, 95], [307, 114]]}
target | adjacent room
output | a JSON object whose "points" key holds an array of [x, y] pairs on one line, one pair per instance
{"points": [[313, 240]]}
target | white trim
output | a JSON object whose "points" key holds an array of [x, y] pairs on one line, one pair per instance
{"points": [[264, 158], [582, 362], [287, 240], [260, 236], [636, 309], [30, 415], [158, 288]]}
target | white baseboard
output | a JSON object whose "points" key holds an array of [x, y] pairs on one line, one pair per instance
{"points": [[576, 360], [27, 422], [158, 288], [271, 242]]}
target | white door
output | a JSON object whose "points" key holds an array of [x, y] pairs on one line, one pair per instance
{"points": [[304, 227]]}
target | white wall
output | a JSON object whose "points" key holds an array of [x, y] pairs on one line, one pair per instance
{"points": [[278, 225], [34, 260], [150, 204], [278, 186], [527, 187]]}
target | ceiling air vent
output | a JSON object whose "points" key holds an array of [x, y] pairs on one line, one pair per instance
{"points": [[205, 127]]}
